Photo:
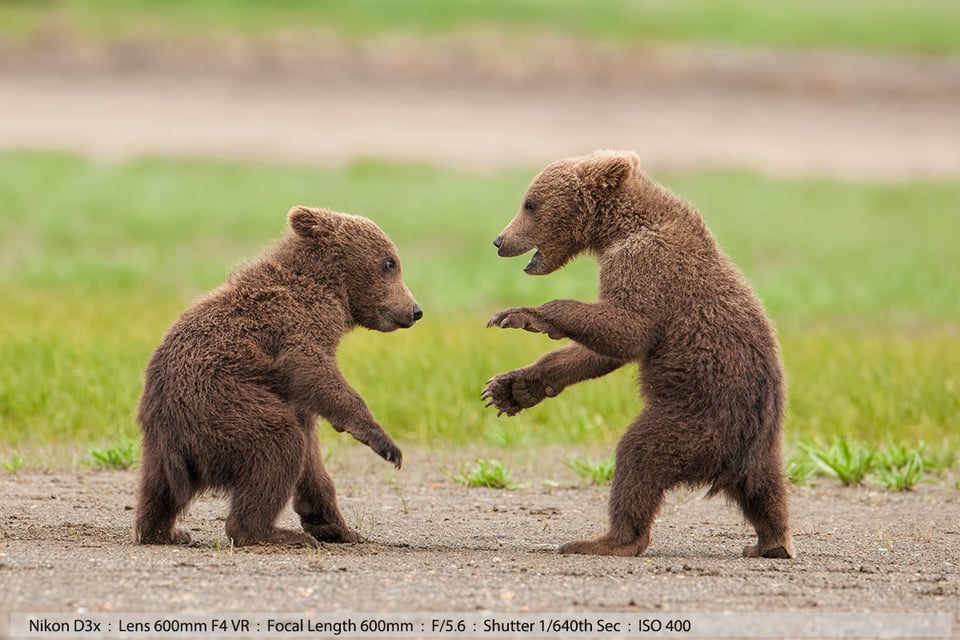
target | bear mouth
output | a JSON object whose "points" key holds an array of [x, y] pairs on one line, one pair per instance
{"points": [[402, 324], [535, 261], [391, 322]]}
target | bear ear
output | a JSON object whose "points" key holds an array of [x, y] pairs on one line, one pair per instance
{"points": [[308, 222], [608, 169]]}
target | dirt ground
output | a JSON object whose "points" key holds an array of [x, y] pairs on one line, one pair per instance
{"points": [[437, 546], [482, 103]]}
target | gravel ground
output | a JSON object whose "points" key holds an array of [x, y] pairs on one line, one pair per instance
{"points": [[441, 547]]}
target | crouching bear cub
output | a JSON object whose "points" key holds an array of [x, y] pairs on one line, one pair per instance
{"points": [[671, 301], [232, 394]]}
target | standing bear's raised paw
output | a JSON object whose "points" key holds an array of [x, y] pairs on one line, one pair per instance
{"points": [[514, 391], [525, 318]]}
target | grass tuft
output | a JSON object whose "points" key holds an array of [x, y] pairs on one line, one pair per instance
{"points": [[596, 471], [800, 469], [485, 473], [14, 463], [902, 473], [894, 466], [123, 455], [847, 461]]}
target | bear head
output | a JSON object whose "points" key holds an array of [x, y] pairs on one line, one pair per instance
{"points": [[367, 264], [560, 210]]}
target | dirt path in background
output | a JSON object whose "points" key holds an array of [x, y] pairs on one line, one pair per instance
{"points": [[437, 546], [484, 104]]}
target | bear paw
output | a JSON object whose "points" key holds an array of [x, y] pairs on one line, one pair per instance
{"points": [[783, 550], [174, 536], [284, 537], [603, 547], [512, 392], [332, 533]]}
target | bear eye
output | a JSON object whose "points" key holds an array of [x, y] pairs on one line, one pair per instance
{"points": [[389, 264], [529, 205]]}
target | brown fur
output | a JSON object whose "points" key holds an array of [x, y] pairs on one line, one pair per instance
{"points": [[670, 300], [232, 394]]}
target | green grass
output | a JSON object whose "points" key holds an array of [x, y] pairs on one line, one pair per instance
{"points": [[596, 471], [848, 462], [123, 455], [893, 466], [924, 26], [13, 463], [96, 260], [491, 474]]}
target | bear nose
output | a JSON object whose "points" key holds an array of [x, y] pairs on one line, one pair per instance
{"points": [[498, 241], [417, 312]]}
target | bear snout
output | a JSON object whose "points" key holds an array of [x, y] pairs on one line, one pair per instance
{"points": [[510, 249], [400, 317]]}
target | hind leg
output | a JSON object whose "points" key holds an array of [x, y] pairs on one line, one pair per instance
{"points": [[159, 504], [639, 483], [315, 499], [265, 474], [764, 504]]}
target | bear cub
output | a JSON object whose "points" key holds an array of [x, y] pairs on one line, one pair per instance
{"points": [[671, 301], [232, 395]]}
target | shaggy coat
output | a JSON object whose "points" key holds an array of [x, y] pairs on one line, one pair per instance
{"points": [[232, 394], [671, 301]]}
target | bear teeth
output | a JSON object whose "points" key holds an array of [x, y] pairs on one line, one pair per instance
{"points": [[534, 261]]}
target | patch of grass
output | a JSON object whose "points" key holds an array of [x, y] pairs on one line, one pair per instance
{"points": [[122, 455], [800, 469], [899, 470], [492, 474], [847, 461], [93, 273], [924, 26], [894, 466], [596, 471], [13, 463]]}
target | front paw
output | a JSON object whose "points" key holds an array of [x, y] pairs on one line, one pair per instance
{"points": [[513, 391], [524, 318], [517, 318], [331, 532], [388, 450]]}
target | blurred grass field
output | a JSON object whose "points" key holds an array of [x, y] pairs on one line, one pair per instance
{"points": [[98, 259], [918, 26]]}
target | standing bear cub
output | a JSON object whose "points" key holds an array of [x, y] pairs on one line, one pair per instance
{"points": [[232, 394], [672, 302]]}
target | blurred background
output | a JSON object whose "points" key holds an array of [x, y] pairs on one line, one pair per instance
{"points": [[858, 88], [147, 148]]}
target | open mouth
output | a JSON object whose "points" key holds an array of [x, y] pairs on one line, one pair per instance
{"points": [[534, 261]]}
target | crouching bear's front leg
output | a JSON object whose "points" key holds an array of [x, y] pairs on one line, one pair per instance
{"points": [[315, 499]]}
